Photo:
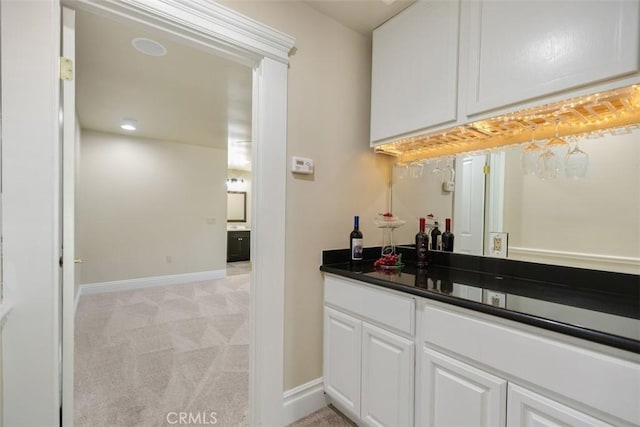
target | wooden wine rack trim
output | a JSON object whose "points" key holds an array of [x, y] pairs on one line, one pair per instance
{"points": [[593, 114]]}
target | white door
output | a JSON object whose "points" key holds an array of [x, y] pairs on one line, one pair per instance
{"points": [[67, 105], [387, 378], [342, 351], [456, 394], [529, 409], [468, 205]]}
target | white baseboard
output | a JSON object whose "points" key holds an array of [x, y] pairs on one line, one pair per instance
{"points": [[148, 282], [303, 400]]}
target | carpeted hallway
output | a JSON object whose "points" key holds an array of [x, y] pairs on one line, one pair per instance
{"points": [[144, 354]]}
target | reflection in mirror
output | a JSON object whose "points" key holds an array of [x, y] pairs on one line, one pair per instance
{"points": [[591, 222], [236, 206], [413, 198]]}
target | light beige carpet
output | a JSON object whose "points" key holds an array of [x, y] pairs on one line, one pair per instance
{"points": [[328, 416], [144, 357]]}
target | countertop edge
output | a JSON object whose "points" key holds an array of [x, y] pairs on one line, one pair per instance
{"points": [[615, 341]]}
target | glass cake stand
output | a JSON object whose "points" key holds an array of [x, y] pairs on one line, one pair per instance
{"points": [[388, 225]]}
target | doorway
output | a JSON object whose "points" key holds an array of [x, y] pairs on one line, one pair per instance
{"points": [[160, 330], [30, 109]]}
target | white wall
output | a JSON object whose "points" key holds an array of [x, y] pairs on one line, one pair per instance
{"points": [[30, 212], [413, 198], [142, 200], [328, 121], [594, 215]]}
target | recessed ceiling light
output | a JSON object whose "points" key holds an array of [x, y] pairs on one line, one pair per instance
{"points": [[148, 47], [129, 124]]}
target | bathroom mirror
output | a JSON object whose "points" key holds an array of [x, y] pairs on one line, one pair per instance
{"points": [[236, 206], [591, 222]]}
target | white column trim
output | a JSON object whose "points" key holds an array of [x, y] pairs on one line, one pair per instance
{"points": [[204, 22]]}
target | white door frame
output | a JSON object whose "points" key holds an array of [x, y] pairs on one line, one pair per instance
{"points": [[215, 28]]}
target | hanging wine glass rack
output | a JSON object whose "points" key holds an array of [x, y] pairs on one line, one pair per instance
{"points": [[612, 111]]}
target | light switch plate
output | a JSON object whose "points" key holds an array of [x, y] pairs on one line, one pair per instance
{"points": [[498, 244]]}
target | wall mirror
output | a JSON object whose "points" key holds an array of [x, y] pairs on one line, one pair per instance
{"points": [[236, 206], [589, 222]]}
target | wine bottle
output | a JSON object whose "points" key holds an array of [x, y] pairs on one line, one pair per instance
{"points": [[355, 240], [435, 237], [422, 245], [447, 237]]}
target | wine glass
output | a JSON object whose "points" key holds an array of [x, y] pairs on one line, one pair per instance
{"points": [[530, 155], [553, 155], [403, 170], [438, 169], [576, 162], [415, 169], [451, 171]]}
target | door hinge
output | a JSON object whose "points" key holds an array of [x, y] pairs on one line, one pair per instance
{"points": [[486, 169], [66, 68], [60, 261]]}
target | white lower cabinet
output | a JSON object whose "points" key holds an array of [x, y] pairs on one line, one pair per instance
{"points": [[529, 409], [387, 378], [342, 338], [368, 362], [463, 368], [457, 394]]}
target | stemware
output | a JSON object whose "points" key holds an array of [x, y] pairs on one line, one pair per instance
{"points": [[438, 169], [553, 155], [415, 169], [403, 170], [449, 172], [530, 155], [576, 162]]}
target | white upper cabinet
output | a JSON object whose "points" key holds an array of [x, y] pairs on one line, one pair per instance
{"points": [[414, 70], [440, 64], [518, 50]]}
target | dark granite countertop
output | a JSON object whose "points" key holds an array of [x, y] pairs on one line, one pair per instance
{"points": [[609, 314]]}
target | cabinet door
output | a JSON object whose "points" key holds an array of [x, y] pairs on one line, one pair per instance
{"points": [[529, 409], [238, 246], [414, 69], [342, 352], [519, 50], [458, 394], [387, 378]]}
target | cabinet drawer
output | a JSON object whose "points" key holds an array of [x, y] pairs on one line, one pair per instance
{"points": [[378, 305], [577, 373]]}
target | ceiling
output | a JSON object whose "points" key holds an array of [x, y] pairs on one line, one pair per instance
{"points": [[189, 95], [360, 15]]}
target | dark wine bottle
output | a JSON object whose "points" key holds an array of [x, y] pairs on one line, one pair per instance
{"points": [[447, 237], [355, 240], [435, 237], [422, 245]]}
